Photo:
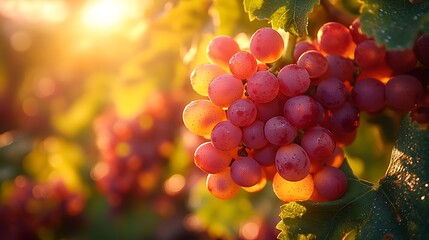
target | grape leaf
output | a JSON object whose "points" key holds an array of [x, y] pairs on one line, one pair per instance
{"points": [[394, 23], [290, 15], [397, 209]]}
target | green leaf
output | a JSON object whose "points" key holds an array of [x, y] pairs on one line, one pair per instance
{"points": [[397, 209], [290, 15], [394, 23]]}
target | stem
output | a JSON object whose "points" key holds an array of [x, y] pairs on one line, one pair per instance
{"points": [[287, 57], [338, 14]]}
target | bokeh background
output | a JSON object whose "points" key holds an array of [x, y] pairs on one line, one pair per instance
{"points": [[92, 145]]}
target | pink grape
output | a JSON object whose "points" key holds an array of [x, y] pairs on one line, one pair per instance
{"points": [[202, 75], [301, 111], [292, 162], [344, 119], [220, 50], [339, 67], [200, 116], [265, 156], [268, 110], [226, 136], [210, 159], [401, 61], [294, 80], [279, 131], [263, 86], [330, 183], [225, 89], [335, 38], [243, 65], [368, 95], [318, 142], [253, 135], [302, 47], [331, 92], [314, 62], [242, 112], [402, 92], [245, 171], [221, 185], [368, 54], [267, 45]]}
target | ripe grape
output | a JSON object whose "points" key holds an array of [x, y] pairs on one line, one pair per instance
{"points": [[267, 45], [294, 80], [318, 142], [339, 67], [368, 95], [225, 89], [242, 112], [369, 54], [243, 65], [210, 159], [268, 110], [335, 38], [221, 185], [253, 135], [344, 118], [292, 162], [279, 131], [200, 116], [401, 61], [226, 136], [314, 62], [245, 171], [266, 156], [331, 93], [202, 75], [291, 191], [402, 92], [337, 157], [263, 86], [421, 49], [330, 183], [221, 49], [301, 111], [259, 185]]}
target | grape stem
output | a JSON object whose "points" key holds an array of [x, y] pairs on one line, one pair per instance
{"points": [[287, 57], [338, 14]]}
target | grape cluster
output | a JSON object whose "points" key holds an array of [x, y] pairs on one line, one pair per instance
{"points": [[289, 124], [32, 210], [134, 149]]}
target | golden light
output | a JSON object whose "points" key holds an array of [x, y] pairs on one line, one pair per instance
{"points": [[104, 14], [175, 184]]}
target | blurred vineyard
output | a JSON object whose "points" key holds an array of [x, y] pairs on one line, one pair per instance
{"points": [[92, 144]]}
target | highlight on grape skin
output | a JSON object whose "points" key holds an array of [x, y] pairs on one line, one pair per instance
{"points": [[200, 116]]}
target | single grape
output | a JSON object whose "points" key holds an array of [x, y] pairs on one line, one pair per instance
{"points": [[302, 47], [253, 135], [291, 191], [243, 65], [245, 171], [335, 38], [259, 185], [344, 119], [330, 183], [339, 67], [368, 95], [294, 80], [318, 142], [262, 86], [402, 92], [267, 45], [200, 116], [292, 162], [421, 49], [314, 62], [221, 49], [202, 75], [265, 156], [225, 89], [279, 131], [210, 159], [401, 61], [221, 185], [226, 136], [331, 92], [268, 110], [369, 54], [344, 139], [242, 112], [301, 111]]}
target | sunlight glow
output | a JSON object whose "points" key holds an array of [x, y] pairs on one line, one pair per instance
{"points": [[105, 14]]}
